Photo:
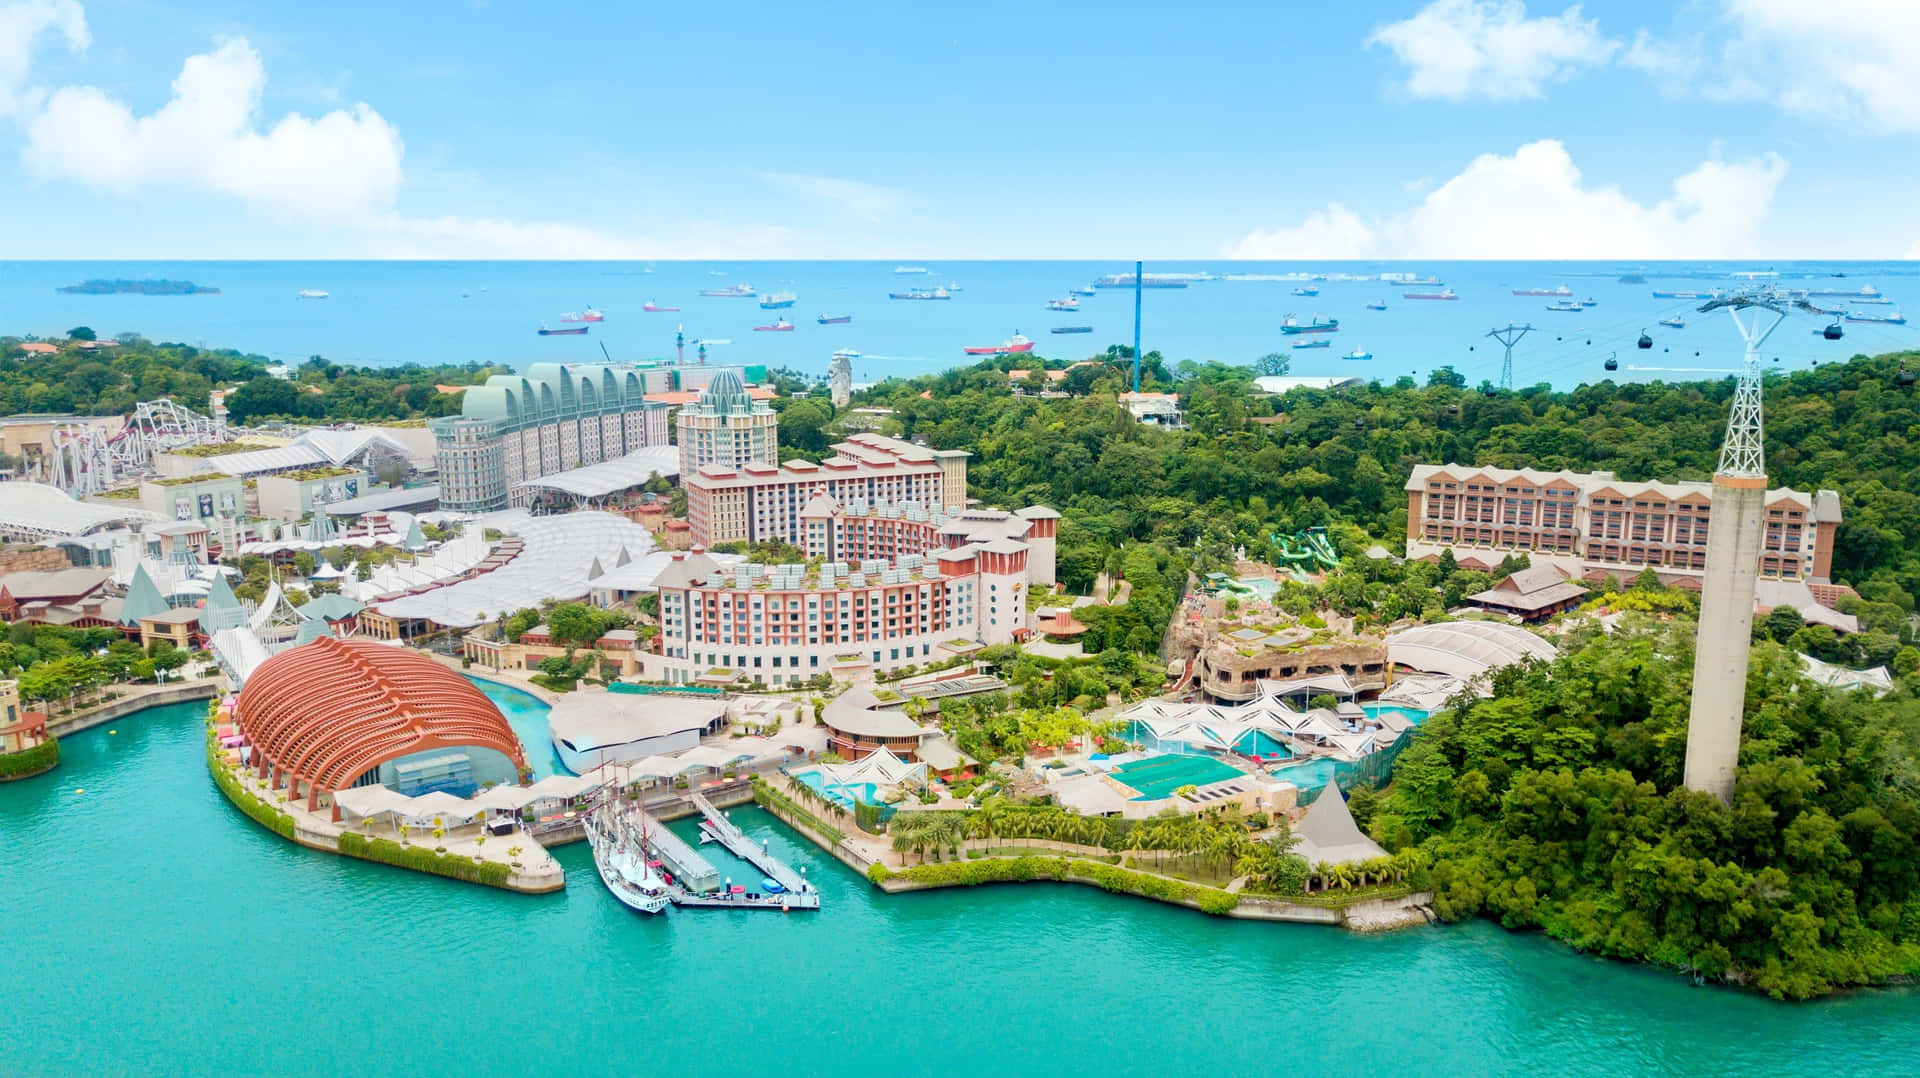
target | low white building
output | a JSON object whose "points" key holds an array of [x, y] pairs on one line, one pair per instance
{"points": [[592, 729]]}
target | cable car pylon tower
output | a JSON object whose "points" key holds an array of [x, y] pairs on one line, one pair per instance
{"points": [[1509, 337], [1737, 517]]}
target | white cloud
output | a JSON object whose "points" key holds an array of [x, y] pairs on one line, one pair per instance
{"points": [[1460, 49], [21, 25], [206, 136], [866, 201], [1535, 204], [1847, 60], [1664, 60]]}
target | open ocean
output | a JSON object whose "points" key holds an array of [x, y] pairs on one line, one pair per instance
{"points": [[381, 313]]}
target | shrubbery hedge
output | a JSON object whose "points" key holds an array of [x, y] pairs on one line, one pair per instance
{"points": [[388, 852], [774, 801], [1023, 869], [263, 814], [41, 757]]}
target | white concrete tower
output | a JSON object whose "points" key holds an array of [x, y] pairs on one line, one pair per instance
{"points": [[840, 377], [1735, 524]]}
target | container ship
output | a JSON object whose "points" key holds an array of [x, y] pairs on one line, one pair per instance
{"points": [[737, 291], [577, 331], [1147, 280], [1563, 292], [921, 293], [834, 319], [774, 301], [1445, 293], [1891, 318], [1014, 345]]}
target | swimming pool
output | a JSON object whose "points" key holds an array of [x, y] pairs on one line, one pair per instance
{"points": [[1158, 776], [1412, 714], [841, 792], [1311, 775]]}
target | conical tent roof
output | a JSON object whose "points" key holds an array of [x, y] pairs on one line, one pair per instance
{"points": [[1328, 834], [143, 599], [223, 609], [594, 572], [415, 537], [310, 631], [622, 558]]}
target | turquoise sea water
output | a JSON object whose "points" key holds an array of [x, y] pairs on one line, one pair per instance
{"points": [[153, 930], [393, 312]]}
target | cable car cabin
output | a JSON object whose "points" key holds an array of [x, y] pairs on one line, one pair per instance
{"points": [[1905, 378], [1645, 341], [1833, 332], [1613, 364]]}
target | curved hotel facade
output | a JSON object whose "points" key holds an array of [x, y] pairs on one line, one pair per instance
{"points": [[554, 417]]}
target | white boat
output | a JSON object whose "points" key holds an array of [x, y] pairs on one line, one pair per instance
{"points": [[622, 862], [1087, 291], [1357, 354], [1065, 303], [313, 293], [909, 269]]}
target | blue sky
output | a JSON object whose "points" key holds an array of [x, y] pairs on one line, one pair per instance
{"points": [[1452, 128]]}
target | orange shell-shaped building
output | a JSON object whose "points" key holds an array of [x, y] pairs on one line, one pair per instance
{"points": [[322, 715]]}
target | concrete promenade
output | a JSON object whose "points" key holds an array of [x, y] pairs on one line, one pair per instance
{"points": [[134, 698]]}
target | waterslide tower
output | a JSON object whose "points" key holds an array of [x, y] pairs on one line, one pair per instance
{"points": [[1733, 559]]}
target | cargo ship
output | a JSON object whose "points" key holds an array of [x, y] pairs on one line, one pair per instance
{"points": [[1088, 291], [1014, 345], [1676, 322], [1069, 303], [1445, 293], [1562, 292], [1657, 294], [1292, 325], [1565, 307], [1377, 305], [834, 319], [577, 331], [312, 293], [588, 315], [1071, 329], [1307, 291], [1357, 354], [779, 326], [1147, 280], [921, 293], [736, 291], [1891, 318], [656, 308], [1321, 343], [775, 301], [1863, 292]]}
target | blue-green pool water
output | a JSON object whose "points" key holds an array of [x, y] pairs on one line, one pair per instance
{"points": [[153, 930], [528, 717], [1412, 714], [1308, 775], [843, 792]]}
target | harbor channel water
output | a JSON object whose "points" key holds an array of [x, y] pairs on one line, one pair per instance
{"points": [[154, 930]]}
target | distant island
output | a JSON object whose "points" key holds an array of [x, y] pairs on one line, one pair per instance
{"points": [[145, 288]]}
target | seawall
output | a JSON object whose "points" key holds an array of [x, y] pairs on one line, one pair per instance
{"points": [[138, 700]]}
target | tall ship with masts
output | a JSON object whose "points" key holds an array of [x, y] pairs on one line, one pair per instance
{"points": [[618, 839]]}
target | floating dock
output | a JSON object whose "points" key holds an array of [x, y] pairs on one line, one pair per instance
{"points": [[691, 872], [798, 893]]}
